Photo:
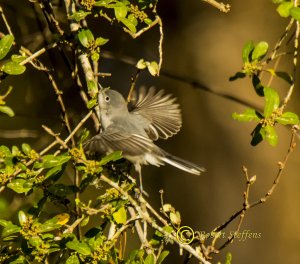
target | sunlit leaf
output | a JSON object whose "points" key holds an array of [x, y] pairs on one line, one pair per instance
{"points": [[162, 256], [8, 228], [295, 13], [271, 101], [6, 110], [85, 37], [101, 41], [247, 49], [111, 157], [22, 217], [120, 10], [73, 260], [20, 185], [149, 259], [13, 68], [260, 50], [128, 24], [284, 8], [153, 68], [248, 115], [271, 135], [5, 45], [288, 118], [80, 247], [79, 15], [120, 216]]}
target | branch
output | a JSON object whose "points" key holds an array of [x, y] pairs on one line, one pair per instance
{"points": [[221, 6], [145, 216]]}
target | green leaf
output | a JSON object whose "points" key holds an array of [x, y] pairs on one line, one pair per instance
{"points": [[92, 88], [132, 19], [9, 228], [101, 41], [148, 21], [111, 157], [175, 218], [153, 68], [141, 64], [271, 135], [288, 118], [73, 260], [238, 75], [85, 37], [257, 134], [260, 50], [120, 10], [162, 256], [20, 185], [295, 13], [95, 56], [272, 101], [7, 110], [18, 260], [13, 68], [128, 24], [5, 151], [104, 3], [26, 148], [50, 161], [259, 88], [80, 247], [120, 216], [247, 49], [149, 259], [79, 15], [18, 58], [283, 75], [5, 45], [22, 217], [248, 115], [62, 190], [284, 8], [35, 241], [278, 1]]}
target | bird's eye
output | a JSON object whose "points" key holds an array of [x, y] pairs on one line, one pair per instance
{"points": [[107, 99]]}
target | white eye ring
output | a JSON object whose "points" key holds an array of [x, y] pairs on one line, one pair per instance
{"points": [[107, 99]]}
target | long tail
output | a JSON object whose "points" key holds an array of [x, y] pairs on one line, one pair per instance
{"points": [[182, 164]]}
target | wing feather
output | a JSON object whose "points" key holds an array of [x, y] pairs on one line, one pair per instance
{"points": [[160, 110]]}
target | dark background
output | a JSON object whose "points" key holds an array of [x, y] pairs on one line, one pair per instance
{"points": [[205, 45]]}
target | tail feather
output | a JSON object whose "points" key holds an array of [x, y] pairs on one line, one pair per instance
{"points": [[182, 164]]}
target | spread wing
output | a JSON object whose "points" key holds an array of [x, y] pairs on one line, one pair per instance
{"points": [[130, 144], [160, 110]]}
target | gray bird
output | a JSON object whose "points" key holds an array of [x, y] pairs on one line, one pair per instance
{"points": [[153, 115]]}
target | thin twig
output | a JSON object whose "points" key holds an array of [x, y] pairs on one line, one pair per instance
{"points": [[132, 86], [56, 136], [5, 21], [282, 165], [295, 61], [221, 6], [37, 53], [145, 216]]}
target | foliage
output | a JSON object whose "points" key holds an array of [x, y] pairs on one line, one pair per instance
{"points": [[50, 230]]}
